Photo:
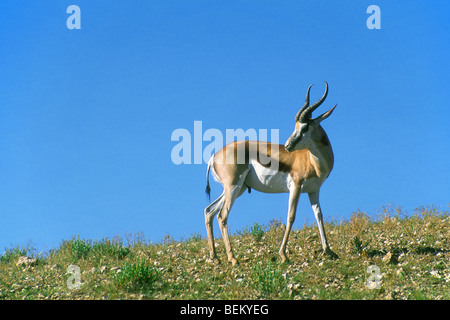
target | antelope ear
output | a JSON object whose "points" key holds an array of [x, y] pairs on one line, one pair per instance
{"points": [[325, 115]]}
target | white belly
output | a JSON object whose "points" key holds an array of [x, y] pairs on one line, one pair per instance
{"points": [[266, 180]]}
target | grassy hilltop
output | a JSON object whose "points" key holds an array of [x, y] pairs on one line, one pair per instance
{"points": [[395, 256]]}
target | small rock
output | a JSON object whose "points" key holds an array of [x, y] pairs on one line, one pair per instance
{"points": [[25, 261], [390, 258], [400, 272], [435, 274], [117, 269], [294, 288]]}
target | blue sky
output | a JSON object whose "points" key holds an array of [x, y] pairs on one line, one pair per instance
{"points": [[86, 116]]}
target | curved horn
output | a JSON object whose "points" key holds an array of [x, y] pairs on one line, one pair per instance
{"points": [[306, 114], [306, 105]]}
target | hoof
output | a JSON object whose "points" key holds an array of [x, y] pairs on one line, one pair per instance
{"points": [[284, 259], [214, 260], [331, 254]]}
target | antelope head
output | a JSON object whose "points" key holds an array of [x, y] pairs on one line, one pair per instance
{"points": [[307, 129]]}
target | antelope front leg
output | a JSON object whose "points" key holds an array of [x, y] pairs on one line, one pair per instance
{"points": [[294, 196], [314, 200]]}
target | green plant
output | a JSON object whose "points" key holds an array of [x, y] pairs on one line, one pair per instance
{"points": [[257, 231], [12, 253], [357, 245], [114, 249], [268, 279], [80, 248], [195, 237], [137, 277]]}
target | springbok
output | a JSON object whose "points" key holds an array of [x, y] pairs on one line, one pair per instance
{"points": [[300, 166]]}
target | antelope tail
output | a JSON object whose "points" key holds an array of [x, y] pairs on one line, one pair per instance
{"points": [[208, 188]]}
